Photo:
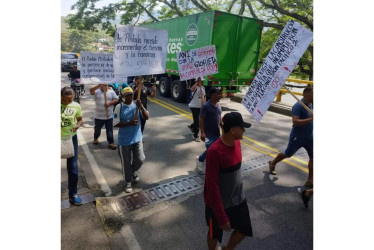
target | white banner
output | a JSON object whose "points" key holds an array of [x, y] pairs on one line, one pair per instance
{"points": [[197, 62], [279, 63], [139, 51], [96, 67]]}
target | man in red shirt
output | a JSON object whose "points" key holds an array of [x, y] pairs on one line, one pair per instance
{"points": [[225, 204]]}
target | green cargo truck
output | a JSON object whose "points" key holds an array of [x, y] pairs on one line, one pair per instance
{"points": [[237, 40]]}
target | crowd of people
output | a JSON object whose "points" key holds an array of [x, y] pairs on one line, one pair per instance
{"points": [[226, 207]]}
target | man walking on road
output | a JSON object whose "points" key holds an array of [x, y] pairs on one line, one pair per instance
{"points": [[71, 120], [301, 135], [225, 204], [130, 145], [197, 100], [210, 122], [104, 112]]}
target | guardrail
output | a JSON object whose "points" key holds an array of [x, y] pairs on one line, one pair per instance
{"points": [[283, 91]]}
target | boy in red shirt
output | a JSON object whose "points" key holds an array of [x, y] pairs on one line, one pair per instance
{"points": [[225, 204]]}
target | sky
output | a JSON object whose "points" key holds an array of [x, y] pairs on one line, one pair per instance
{"points": [[66, 5]]}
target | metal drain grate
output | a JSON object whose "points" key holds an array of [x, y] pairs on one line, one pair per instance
{"points": [[178, 187], [160, 193], [255, 163]]}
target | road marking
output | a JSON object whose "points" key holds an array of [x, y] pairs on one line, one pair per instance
{"points": [[172, 106], [129, 237], [176, 110], [273, 155], [273, 149], [95, 168], [172, 109]]}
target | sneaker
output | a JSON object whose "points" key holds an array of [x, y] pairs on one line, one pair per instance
{"points": [[190, 127], [128, 188], [135, 177], [76, 200], [95, 141], [200, 166], [308, 184], [272, 169], [304, 197], [196, 138], [112, 146]]}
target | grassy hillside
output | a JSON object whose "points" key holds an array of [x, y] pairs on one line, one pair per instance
{"points": [[64, 26]]}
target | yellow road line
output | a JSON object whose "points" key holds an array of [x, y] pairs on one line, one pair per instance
{"points": [[273, 155], [172, 109], [260, 144], [172, 106], [273, 149], [177, 110]]}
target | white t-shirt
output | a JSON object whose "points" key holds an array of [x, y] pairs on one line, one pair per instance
{"points": [[196, 99], [99, 104]]}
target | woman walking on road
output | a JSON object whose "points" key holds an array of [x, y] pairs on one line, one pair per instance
{"points": [[71, 120]]}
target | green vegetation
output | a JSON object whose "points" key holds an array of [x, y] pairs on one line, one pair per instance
{"points": [[274, 13], [74, 40]]}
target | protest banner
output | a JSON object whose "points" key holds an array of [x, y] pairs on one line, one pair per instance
{"points": [[139, 51], [198, 62], [96, 67], [279, 63]]}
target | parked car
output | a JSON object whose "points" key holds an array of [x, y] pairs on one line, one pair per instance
{"points": [[68, 60]]}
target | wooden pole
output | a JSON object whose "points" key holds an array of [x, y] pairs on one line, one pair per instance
{"points": [[201, 94], [138, 97], [106, 108], [306, 107]]}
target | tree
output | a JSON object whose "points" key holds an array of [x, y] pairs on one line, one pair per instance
{"points": [[274, 13]]}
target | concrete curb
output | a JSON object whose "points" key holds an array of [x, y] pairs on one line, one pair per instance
{"points": [[277, 107]]}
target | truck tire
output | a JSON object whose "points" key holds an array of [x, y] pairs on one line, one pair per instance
{"points": [[178, 91], [164, 86]]}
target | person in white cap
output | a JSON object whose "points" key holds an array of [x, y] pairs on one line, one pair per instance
{"points": [[104, 112]]}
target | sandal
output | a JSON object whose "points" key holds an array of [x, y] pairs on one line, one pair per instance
{"points": [[308, 184], [272, 169]]}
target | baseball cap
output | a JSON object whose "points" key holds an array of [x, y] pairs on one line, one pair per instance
{"points": [[234, 119], [127, 91], [214, 90]]}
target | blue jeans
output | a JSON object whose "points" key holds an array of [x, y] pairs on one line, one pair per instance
{"points": [[208, 141], [108, 127], [72, 166]]}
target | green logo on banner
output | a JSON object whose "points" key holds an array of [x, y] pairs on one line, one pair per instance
{"points": [[191, 34]]}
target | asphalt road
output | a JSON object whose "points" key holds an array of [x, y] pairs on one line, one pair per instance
{"points": [[279, 219]]}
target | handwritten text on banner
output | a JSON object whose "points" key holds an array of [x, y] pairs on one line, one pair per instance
{"points": [[279, 63], [96, 67], [139, 51], [197, 62]]}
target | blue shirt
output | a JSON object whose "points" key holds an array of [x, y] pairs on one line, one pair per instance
{"points": [[212, 119], [304, 130], [130, 134]]}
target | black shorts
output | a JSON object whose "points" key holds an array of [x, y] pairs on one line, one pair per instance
{"points": [[239, 220]]}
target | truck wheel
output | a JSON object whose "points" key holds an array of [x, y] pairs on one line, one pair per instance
{"points": [[178, 91], [164, 86]]}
